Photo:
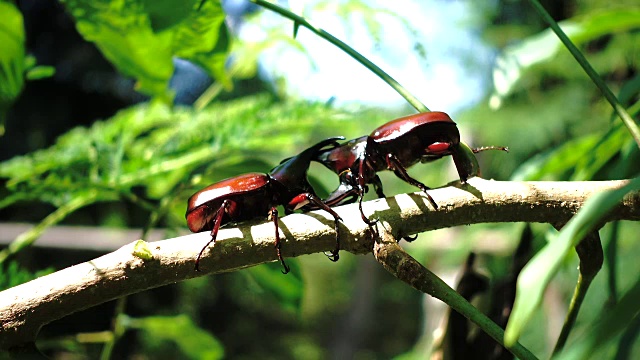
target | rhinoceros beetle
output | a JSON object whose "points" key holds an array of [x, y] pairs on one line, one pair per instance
{"points": [[395, 146], [256, 195]]}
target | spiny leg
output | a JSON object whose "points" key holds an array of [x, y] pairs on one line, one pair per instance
{"points": [[361, 189], [394, 164], [274, 216], [410, 238], [334, 255], [377, 186], [217, 219]]}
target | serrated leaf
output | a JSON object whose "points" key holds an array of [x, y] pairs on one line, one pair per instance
{"points": [[516, 60], [537, 274]]}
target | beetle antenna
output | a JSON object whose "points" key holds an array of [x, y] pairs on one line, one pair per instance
{"points": [[484, 148]]}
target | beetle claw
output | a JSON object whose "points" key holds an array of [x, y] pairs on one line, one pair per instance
{"points": [[286, 268], [410, 238], [333, 255]]}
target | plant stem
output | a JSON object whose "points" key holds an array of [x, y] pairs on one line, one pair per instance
{"points": [[612, 256], [117, 329], [591, 259], [28, 237], [388, 253], [597, 80], [300, 21]]}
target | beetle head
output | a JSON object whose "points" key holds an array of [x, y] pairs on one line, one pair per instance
{"points": [[466, 162]]}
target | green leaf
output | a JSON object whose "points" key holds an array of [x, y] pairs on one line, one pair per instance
{"points": [[11, 274], [193, 341], [141, 37], [610, 322], [165, 14], [287, 290], [537, 274], [518, 59], [204, 39], [123, 33], [12, 57], [40, 72], [152, 149], [578, 159]]}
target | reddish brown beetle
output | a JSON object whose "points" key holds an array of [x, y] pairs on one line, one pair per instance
{"points": [[395, 146], [256, 195]]}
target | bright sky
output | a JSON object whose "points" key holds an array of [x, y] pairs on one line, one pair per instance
{"points": [[452, 74]]}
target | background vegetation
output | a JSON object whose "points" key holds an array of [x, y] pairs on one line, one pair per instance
{"points": [[102, 128]]}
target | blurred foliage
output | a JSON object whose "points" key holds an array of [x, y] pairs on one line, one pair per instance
{"points": [[12, 274], [516, 60], [160, 332], [153, 155], [145, 153], [15, 65], [140, 37]]}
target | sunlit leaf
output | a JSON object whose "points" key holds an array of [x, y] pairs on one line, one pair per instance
{"points": [[153, 149], [204, 39], [141, 37], [518, 59], [537, 274], [123, 33]]}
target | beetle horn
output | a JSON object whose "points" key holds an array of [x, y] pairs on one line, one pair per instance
{"points": [[308, 154]]}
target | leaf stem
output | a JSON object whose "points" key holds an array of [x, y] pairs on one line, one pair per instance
{"points": [[300, 21], [591, 258], [403, 266], [30, 236], [597, 80]]}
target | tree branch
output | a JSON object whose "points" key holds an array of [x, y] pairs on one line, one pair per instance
{"points": [[24, 309]]}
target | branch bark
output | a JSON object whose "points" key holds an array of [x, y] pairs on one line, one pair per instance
{"points": [[24, 309]]}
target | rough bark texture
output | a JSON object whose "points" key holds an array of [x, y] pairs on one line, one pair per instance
{"points": [[26, 308]]}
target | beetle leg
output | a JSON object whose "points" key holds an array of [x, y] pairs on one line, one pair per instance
{"points": [[308, 197], [361, 188], [394, 164], [273, 214], [410, 238], [217, 219], [377, 186]]}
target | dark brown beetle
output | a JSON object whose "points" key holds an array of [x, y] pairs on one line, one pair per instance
{"points": [[395, 146], [256, 195]]}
